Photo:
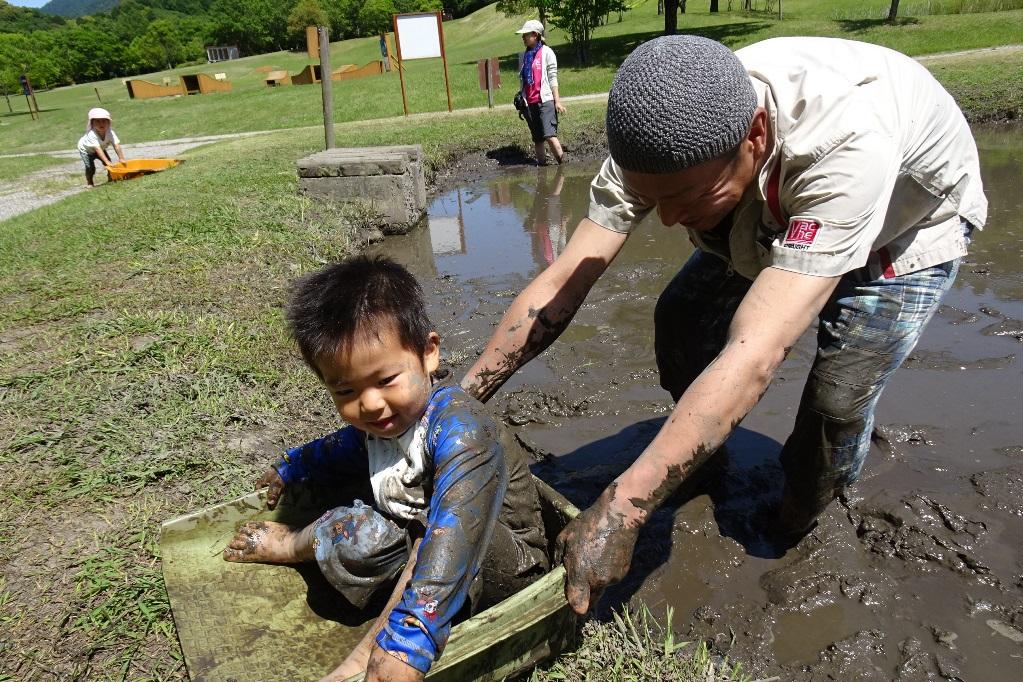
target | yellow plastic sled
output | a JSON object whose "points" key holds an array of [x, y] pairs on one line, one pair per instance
{"points": [[134, 168]]}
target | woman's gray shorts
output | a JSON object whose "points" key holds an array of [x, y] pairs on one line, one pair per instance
{"points": [[543, 121]]}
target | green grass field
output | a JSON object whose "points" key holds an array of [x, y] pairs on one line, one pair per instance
{"points": [[252, 106]]}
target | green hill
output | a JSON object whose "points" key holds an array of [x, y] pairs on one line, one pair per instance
{"points": [[77, 8]]}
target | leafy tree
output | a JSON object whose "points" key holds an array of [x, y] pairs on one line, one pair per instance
{"points": [[162, 46], [343, 17], [375, 16], [517, 7], [253, 25], [306, 13], [578, 18], [24, 19]]}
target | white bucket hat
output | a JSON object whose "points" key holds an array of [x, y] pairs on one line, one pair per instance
{"points": [[96, 112], [531, 26]]}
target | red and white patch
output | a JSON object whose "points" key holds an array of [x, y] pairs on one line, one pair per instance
{"points": [[802, 233]]}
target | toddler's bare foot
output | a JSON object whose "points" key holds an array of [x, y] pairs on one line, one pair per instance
{"points": [[271, 542]]}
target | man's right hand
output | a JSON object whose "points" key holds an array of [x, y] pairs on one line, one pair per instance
{"points": [[596, 548], [272, 480]]}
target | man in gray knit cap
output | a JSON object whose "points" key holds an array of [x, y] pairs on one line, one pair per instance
{"points": [[820, 180]]}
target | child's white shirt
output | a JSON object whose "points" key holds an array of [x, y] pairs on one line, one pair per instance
{"points": [[397, 472], [91, 140]]}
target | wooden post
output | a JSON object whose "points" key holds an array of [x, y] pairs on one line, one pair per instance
{"points": [[326, 87], [401, 68], [30, 97], [443, 56], [96, 90], [490, 87]]}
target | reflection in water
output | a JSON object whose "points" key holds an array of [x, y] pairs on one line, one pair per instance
{"points": [[516, 225]]}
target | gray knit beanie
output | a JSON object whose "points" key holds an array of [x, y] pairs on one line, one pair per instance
{"points": [[678, 101]]}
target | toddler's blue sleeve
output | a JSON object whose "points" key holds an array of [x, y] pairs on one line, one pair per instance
{"points": [[332, 457], [470, 480]]}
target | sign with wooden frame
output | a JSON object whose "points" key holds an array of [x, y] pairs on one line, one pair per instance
{"points": [[419, 35]]}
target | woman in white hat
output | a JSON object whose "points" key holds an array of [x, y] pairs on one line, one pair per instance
{"points": [[99, 136], [538, 74]]}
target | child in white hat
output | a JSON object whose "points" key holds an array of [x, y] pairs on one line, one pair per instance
{"points": [[99, 136]]}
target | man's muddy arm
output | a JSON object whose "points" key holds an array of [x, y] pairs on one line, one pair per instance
{"points": [[778, 308], [544, 308]]}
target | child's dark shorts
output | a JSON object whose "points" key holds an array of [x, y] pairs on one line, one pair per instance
{"points": [[360, 550], [543, 121], [89, 159]]}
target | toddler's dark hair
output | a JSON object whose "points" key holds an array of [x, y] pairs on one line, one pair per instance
{"points": [[331, 307]]}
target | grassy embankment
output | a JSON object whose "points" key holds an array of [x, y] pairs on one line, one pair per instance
{"points": [[251, 106], [144, 371]]}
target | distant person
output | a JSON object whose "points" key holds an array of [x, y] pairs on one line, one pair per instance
{"points": [[826, 183], [98, 138], [453, 521], [538, 74]]}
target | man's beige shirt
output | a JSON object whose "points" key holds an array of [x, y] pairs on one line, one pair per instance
{"points": [[870, 162]]}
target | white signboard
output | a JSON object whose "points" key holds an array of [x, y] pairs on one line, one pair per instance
{"points": [[418, 36]]}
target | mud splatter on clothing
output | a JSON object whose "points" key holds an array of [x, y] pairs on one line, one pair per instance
{"points": [[483, 531]]}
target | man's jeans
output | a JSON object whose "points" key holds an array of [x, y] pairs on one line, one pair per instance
{"points": [[867, 329]]}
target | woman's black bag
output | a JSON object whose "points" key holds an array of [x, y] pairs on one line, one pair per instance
{"points": [[520, 104]]}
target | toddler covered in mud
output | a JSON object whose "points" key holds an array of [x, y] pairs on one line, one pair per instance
{"points": [[453, 524]]}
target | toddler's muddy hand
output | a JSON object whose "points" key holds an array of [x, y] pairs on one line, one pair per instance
{"points": [[275, 484], [596, 549]]}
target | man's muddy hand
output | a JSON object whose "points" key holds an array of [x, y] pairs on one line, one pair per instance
{"points": [[275, 484], [596, 548]]}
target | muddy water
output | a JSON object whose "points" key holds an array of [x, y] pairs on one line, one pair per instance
{"points": [[917, 574]]}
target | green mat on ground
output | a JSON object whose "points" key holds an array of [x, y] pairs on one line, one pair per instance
{"points": [[252, 621]]}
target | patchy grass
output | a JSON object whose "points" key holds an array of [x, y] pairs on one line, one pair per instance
{"points": [[15, 167], [635, 647], [486, 33], [145, 371], [989, 88]]}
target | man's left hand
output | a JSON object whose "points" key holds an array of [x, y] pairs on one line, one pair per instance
{"points": [[596, 548]]}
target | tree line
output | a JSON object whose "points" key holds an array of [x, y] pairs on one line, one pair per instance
{"points": [[142, 36]]}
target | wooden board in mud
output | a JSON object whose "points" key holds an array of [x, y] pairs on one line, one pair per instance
{"points": [[261, 622]]}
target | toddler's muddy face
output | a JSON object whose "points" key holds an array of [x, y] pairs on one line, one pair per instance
{"points": [[379, 386]]}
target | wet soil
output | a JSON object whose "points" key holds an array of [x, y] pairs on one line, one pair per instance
{"points": [[916, 574]]}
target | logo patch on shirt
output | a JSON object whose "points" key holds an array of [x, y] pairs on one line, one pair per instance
{"points": [[802, 234]]}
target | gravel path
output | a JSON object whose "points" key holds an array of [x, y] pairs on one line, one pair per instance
{"points": [[34, 190]]}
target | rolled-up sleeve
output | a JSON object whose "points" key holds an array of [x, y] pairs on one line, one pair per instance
{"points": [[470, 483], [611, 204], [837, 206]]}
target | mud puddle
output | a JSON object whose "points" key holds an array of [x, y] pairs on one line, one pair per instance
{"points": [[916, 575]]}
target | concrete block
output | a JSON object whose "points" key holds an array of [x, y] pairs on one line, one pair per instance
{"points": [[389, 179]]}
